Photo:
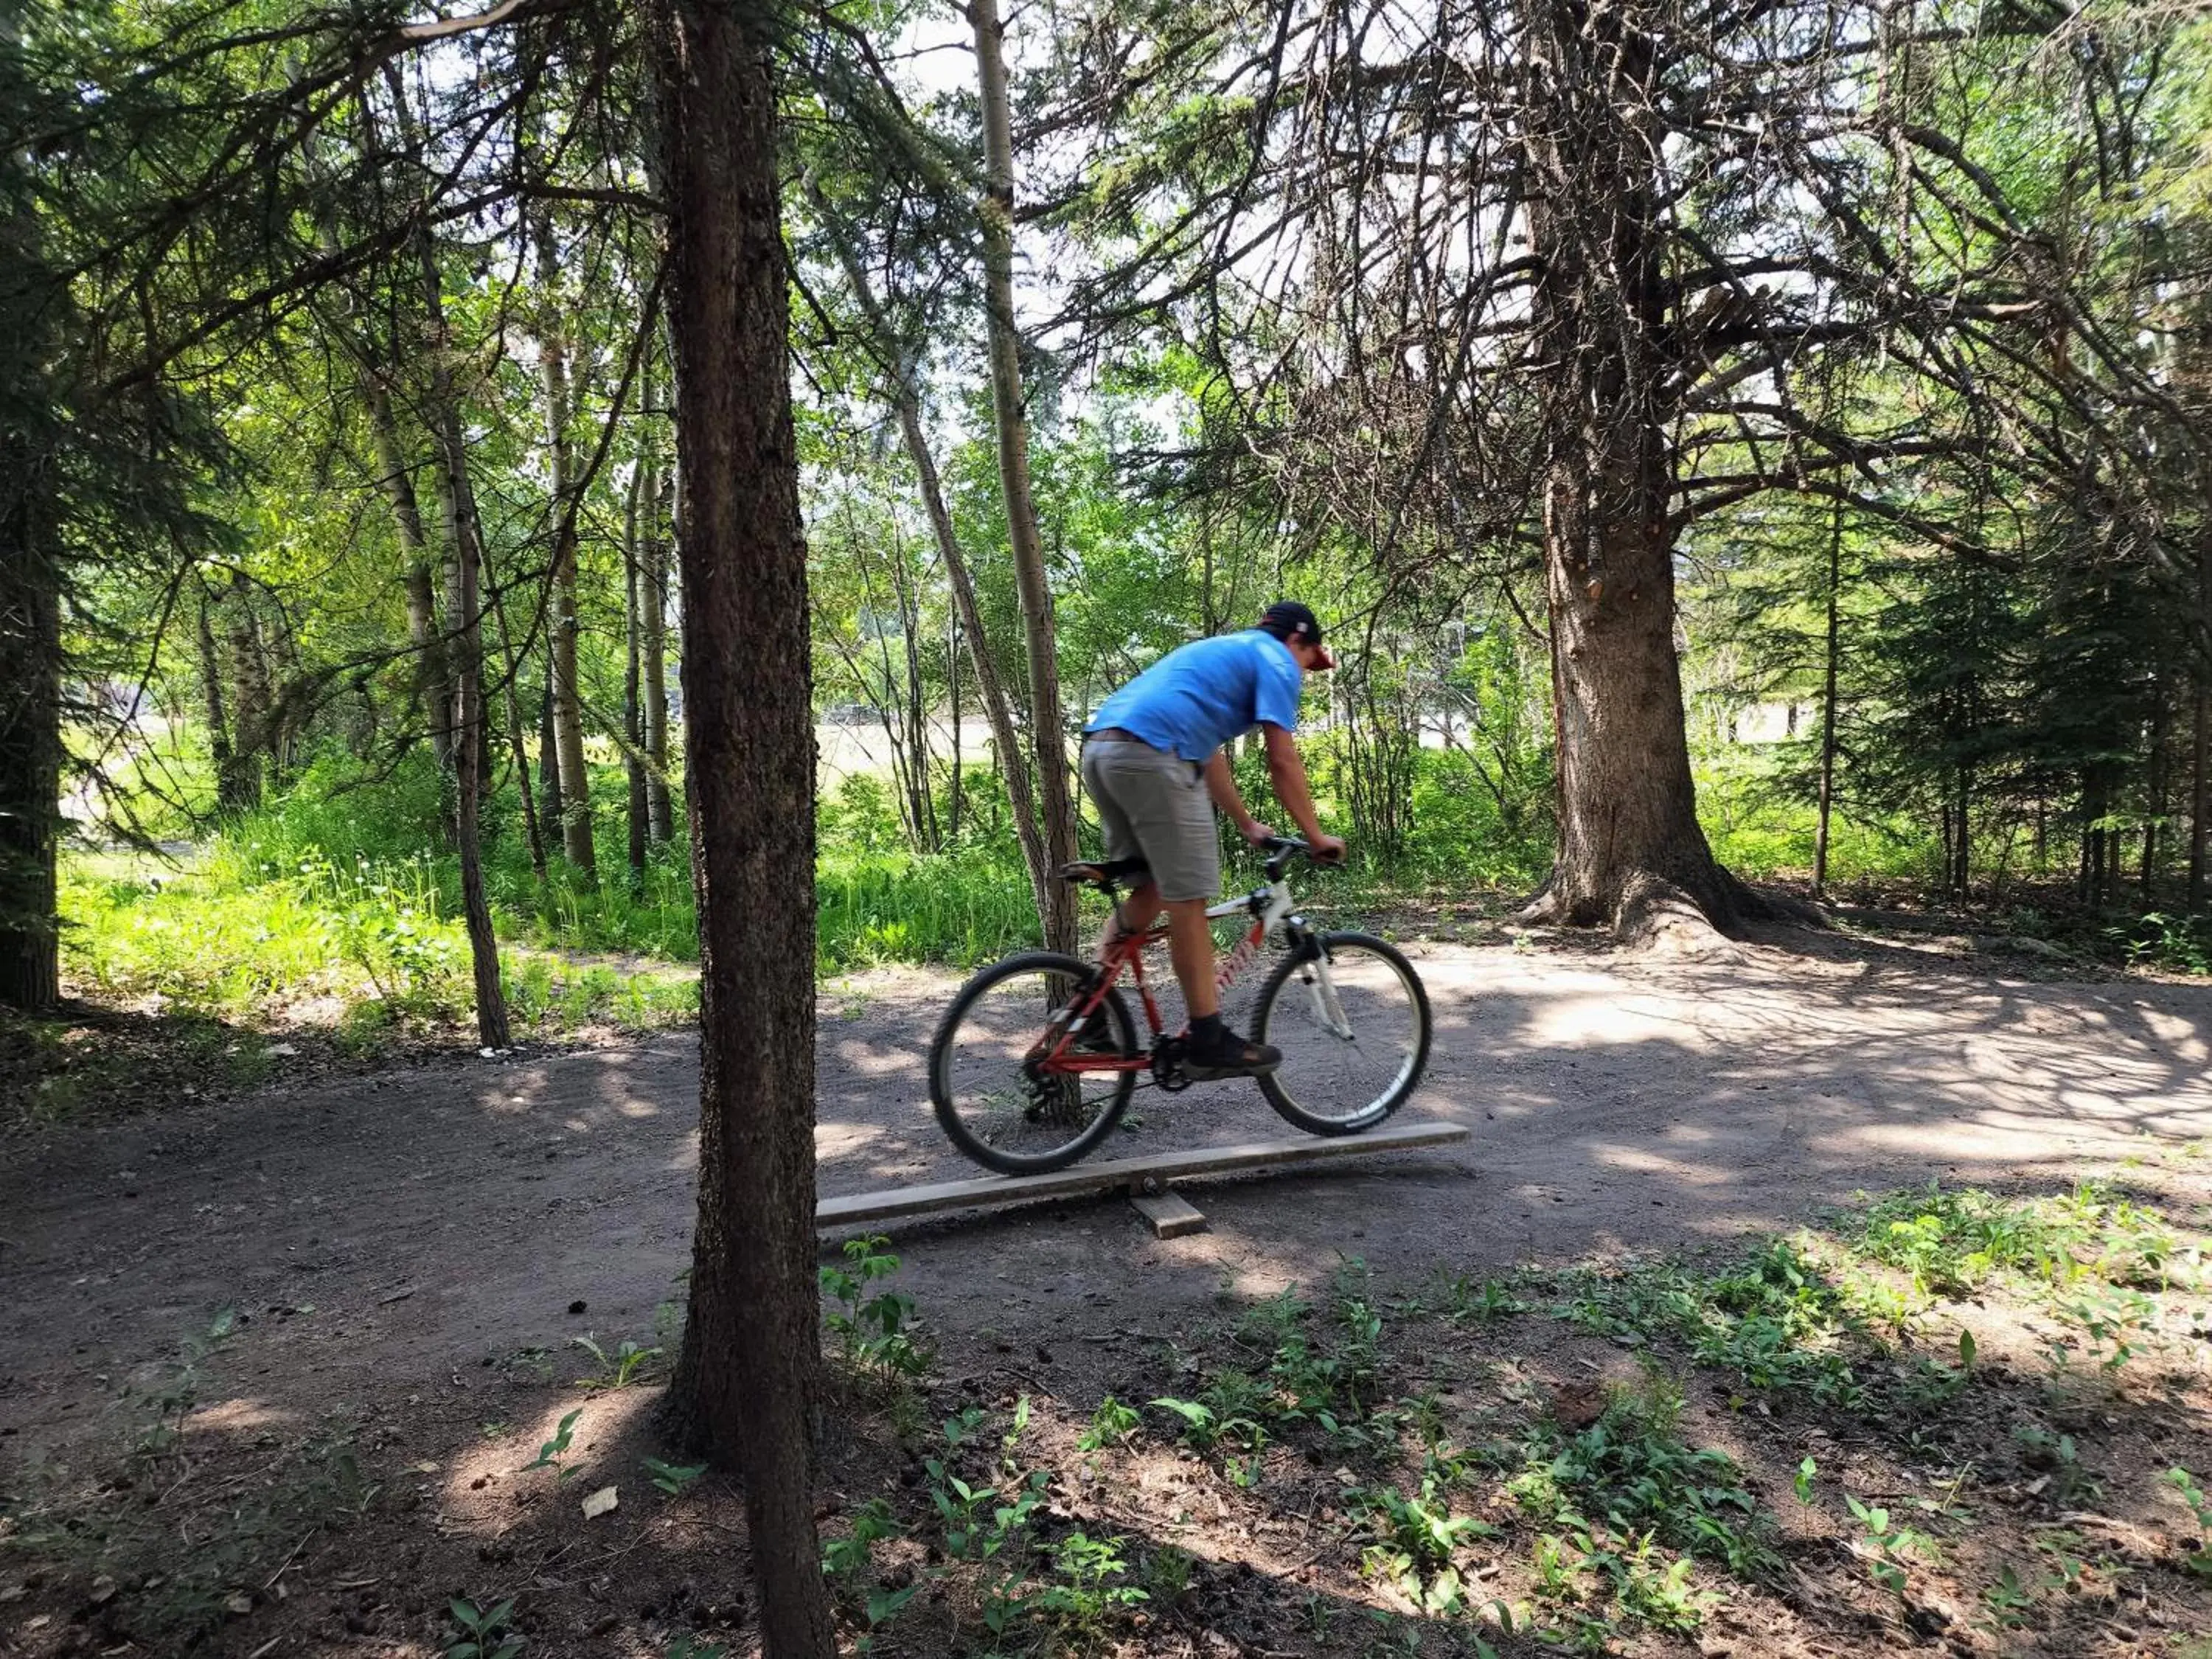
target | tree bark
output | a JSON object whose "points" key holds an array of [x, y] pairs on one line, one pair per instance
{"points": [[632, 713], [419, 579], [464, 569], [1058, 906], [549, 758], [30, 740], [1834, 597], [567, 701], [1630, 852], [467, 659], [652, 599], [211, 685], [510, 673], [2200, 752], [745, 1382], [238, 788]]}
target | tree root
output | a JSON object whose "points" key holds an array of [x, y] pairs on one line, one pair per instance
{"points": [[1663, 915]]}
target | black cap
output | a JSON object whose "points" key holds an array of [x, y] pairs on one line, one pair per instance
{"points": [[1287, 620]]}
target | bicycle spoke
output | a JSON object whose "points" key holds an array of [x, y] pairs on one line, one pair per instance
{"points": [[989, 1078]]}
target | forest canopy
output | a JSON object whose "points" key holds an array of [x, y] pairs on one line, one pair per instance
{"points": [[1742, 449]]}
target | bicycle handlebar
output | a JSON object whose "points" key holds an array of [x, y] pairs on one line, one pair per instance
{"points": [[1280, 848]]}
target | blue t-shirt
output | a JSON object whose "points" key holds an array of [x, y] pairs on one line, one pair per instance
{"points": [[1200, 695]]}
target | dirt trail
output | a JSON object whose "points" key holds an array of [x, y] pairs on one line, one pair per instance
{"points": [[435, 1219]]}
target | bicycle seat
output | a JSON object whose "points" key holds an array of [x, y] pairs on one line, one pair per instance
{"points": [[1104, 872]]}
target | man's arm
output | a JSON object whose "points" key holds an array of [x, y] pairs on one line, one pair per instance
{"points": [[1221, 783], [1288, 772]]}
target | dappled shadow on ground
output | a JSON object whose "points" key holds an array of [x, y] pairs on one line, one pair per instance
{"points": [[423, 1236]]}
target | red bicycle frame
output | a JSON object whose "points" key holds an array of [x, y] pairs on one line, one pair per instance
{"points": [[1268, 906]]}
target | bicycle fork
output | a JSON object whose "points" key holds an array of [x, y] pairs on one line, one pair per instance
{"points": [[1320, 986]]}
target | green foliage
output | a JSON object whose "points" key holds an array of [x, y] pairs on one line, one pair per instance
{"points": [[1631, 1470], [617, 1368], [1774, 1320], [550, 1453], [1886, 1549], [1951, 1240], [1410, 1541], [486, 1632], [673, 1479], [1111, 1425], [874, 1331]]}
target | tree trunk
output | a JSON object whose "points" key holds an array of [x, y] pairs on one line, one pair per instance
{"points": [[1828, 704], [1058, 905], [998, 708], [745, 1382], [1630, 852], [432, 691], [952, 691], [211, 686], [30, 740], [510, 673], [239, 788], [549, 758], [632, 714], [567, 701], [652, 602], [463, 567], [2200, 751], [467, 660]]}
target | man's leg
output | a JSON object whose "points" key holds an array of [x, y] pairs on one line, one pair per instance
{"points": [[1133, 915], [1190, 947]]}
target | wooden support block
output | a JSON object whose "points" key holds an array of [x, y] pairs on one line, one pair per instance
{"points": [[1127, 1174], [1168, 1214]]}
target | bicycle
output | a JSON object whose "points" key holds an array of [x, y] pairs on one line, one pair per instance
{"points": [[1036, 1060]]}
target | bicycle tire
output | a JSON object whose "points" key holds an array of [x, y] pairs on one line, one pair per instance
{"points": [[1280, 1085], [942, 1092]]}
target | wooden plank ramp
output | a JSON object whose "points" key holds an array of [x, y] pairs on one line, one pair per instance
{"points": [[1127, 1174]]}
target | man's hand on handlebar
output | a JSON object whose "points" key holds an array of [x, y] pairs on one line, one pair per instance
{"points": [[1320, 849]]}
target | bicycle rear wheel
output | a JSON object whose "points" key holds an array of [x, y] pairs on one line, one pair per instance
{"points": [[991, 1099], [1353, 1028]]}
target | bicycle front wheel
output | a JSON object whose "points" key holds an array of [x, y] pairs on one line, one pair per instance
{"points": [[993, 1101], [1353, 1026]]}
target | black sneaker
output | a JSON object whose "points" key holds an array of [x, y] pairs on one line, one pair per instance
{"points": [[1230, 1055], [1096, 1035]]}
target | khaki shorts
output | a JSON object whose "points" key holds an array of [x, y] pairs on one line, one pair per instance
{"points": [[1153, 805]]}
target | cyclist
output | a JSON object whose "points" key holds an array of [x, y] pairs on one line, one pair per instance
{"points": [[1154, 764]]}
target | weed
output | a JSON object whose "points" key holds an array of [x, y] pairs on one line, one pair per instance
{"points": [[1483, 1302], [1884, 1547], [2112, 1318], [549, 1454], [1080, 1601], [486, 1632], [2009, 1602], [874, 1331], [1412, 1538], [1802, 1482], [1111, 1425], [1648, 1588], [1167, 1576], [847, 1559], [2198, 1560], [617, 1369], [2060, 1461], [1631, 1469], [673, 1479]]}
